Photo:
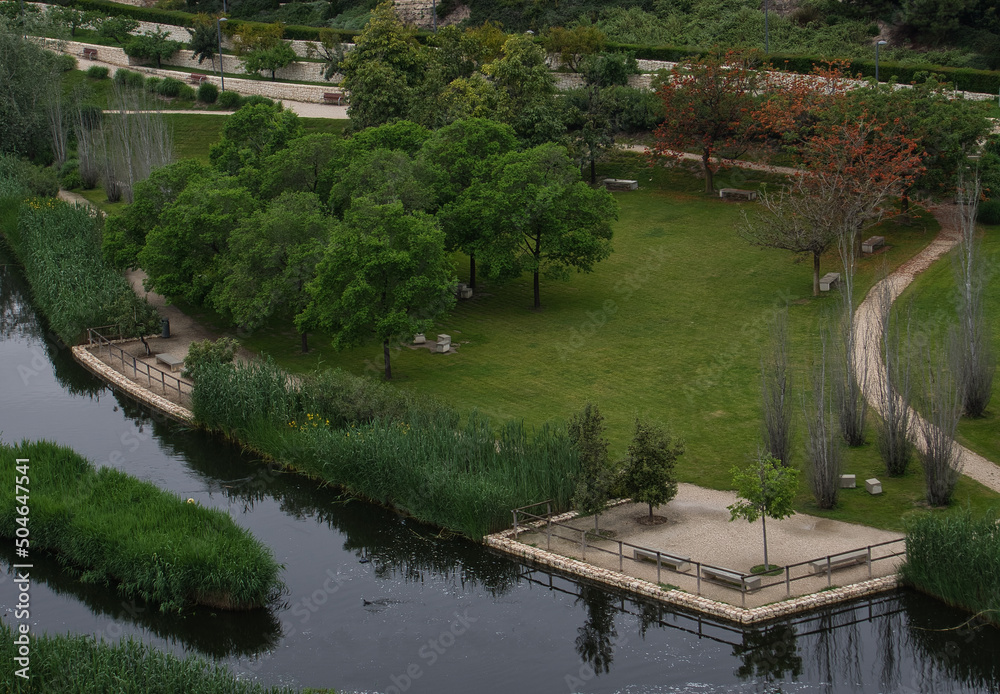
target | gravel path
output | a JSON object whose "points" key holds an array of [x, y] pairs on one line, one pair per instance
{"points": [[868, 358]]}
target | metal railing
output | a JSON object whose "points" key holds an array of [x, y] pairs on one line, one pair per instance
{"points": [[530, 522], [139, 368]]}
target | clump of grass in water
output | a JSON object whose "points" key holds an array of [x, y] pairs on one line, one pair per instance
{"points": [[386, 446], [107, 526], [956, 558]]}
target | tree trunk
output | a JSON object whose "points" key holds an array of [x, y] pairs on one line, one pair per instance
{"points": [[904, 202], [709, 180], [763, 520], [815, 273], [593, 172], [472, 270], [650, 510], [538, 299], [385, 354], [596, 529], [305, 342]]}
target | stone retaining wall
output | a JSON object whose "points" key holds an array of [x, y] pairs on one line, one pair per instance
{"points": [[502, 541]]}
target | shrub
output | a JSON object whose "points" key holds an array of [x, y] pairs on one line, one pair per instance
{"points": [[208, 93], [205, 352], [230, 100], [97, 72], [72, 180], [65, 63], [989, 212], [256, 99], [153, 84], [130, 78], [186, 93], [43, 181], [126, 531], [169, 86]]}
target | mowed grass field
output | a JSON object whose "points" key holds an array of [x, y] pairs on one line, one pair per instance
{"points": [[670, 327]]}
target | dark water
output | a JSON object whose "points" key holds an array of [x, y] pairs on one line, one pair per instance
{"points": [[376, 602]]}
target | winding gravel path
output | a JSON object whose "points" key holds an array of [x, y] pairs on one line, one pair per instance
{"points": [[869, 368]]}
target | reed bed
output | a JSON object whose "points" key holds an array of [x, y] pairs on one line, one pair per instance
{"points": [[417, 458], [956, 558], [106, 526], [78, 664]]}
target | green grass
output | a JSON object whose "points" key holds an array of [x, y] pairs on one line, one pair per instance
{"points": [[67, 663], [108, 527], [933, 303]]}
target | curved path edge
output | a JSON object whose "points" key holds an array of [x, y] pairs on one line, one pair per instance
{"points": [[869, 369]]}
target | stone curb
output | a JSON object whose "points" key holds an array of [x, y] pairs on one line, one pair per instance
{"points": [[119, 381]]}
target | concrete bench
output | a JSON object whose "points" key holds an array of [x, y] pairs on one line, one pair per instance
{"points": [[170, 360], [335, 98], [839, 561], [732, 577], [678, 563], [196, 79], [828, 281], [90, 53], [442, 345], [737, 194], [869, 245], [620, 184]]}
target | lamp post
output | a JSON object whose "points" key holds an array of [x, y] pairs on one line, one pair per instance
{"points": [[880, 43], [434, 14], [766, 32], [218, 33]]}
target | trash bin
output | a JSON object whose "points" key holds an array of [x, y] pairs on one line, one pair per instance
{"points": [[165, 326]]}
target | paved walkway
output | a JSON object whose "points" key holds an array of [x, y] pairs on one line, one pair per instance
{"points": [[868, 358], [752, 165]]}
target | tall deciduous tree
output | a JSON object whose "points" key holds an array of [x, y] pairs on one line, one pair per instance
{"points": [[649, 475], [593, 487], [765, 489], [538, 216], [22, 99], [252, 133], [152, 45], [272, 256], [385, 275], [709, 105]]}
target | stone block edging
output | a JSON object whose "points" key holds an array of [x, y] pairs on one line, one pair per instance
{"points": [[83, 356], [501, 541]]}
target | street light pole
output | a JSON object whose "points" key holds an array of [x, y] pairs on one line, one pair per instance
{"points": [[880, 43], [766, 31], [434, 14], [218, 34]]}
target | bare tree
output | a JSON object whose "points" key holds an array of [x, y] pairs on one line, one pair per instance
{"points": [[136, 141], [848, 371], [942, 409], [775, 389], [823, 440], [971, 354], [56, 116], [86, 125], [893, 391]]}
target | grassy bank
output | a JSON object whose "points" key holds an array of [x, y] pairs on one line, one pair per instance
{"points": [[110, 527], [80, 665], [956, 558], [390, 447]]}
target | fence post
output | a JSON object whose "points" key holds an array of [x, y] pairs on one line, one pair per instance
{"points": [[514, 512], [788, 582], [620, 559], [869, 561], [548, 531], [657, 567], [743, 591], [697, 567], [583, 543], [829, 572]]}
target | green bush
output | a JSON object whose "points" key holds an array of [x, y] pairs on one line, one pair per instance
{"points": [[205, 352], [130, 78], [169, 86], [153, 84], [121, 530], [186, 93], [230, 100], [97, 72], [43, 181], [65, 63], [256, 99], [208, 93], [989, 212], [72, 180]]}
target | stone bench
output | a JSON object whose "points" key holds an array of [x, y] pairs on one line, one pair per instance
{"points": [[737, 194], [678, 563], [196, 79], [442, 345], [869, 245], [839, 561], [90, 53], [620, 184], [731, 577], [170, 360], [335, 98], [828, 281]]}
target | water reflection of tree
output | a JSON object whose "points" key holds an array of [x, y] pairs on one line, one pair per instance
{"points": [[769, 653], [216, 634], [595, 641]]}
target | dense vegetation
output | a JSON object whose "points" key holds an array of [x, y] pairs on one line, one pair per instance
{"points": [[108, 527], [957, 559], [79, 664]]}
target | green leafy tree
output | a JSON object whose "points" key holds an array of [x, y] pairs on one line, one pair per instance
{"points": [[23, 97], [272, 256], [649, 475], [184, 252], [765, 489], [204, 38], [525, 91], [301, 166], [385, 275], [271, 59], [205, 353], [119, 29], [382, 177], [253, 133], [571, 46], [597, 474], [125, 233], [74, 18], [538, 216], [152, 45]]}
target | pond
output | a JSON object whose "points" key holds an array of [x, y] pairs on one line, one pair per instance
{"points": [[378, 603]]}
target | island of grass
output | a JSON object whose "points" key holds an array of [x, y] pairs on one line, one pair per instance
{"points": [[110, 527]]}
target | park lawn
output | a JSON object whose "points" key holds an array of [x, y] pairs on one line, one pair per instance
{"points": [[932, 296], [669, 327]]}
